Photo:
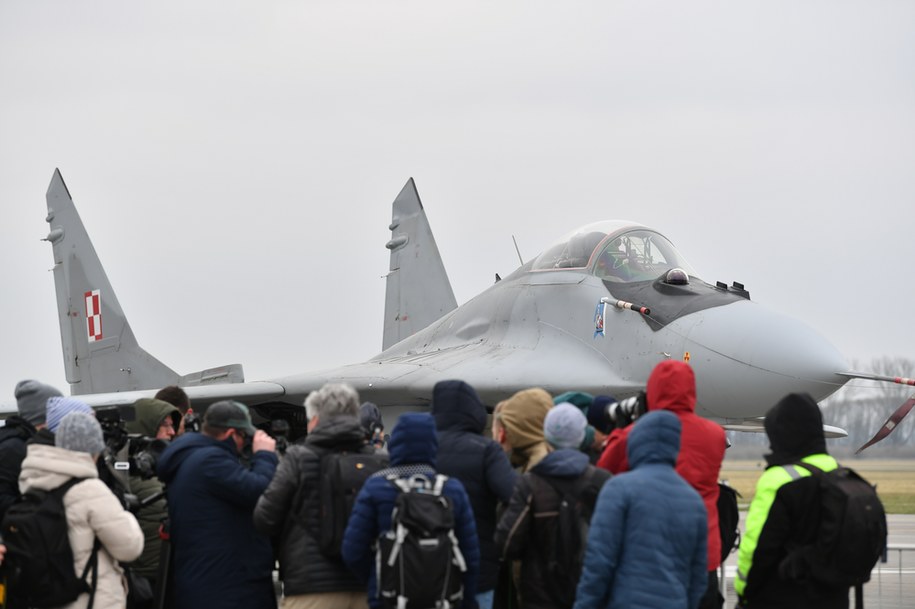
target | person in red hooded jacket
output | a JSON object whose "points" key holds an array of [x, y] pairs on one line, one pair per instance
{"points": [[672, 386]]}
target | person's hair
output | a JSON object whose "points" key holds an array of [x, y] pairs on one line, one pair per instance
{"points": [[175, 396], [333, 399], [213, 432]]}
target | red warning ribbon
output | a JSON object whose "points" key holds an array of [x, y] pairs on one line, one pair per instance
{"points": [[891, 422]]}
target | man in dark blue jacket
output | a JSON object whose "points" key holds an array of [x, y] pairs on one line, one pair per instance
{"points": [[220, 561], [412, 448], [479, 463]]}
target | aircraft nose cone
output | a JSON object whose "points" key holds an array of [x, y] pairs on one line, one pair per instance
{"points": [[747, 357]]}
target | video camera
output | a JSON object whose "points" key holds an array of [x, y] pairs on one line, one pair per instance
{"points": [[126, 454]]}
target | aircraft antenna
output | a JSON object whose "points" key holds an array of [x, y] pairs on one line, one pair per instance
{"points": [[520, 259]]}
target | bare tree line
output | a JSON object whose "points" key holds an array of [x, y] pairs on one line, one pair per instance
{"points": [[860, 408]]}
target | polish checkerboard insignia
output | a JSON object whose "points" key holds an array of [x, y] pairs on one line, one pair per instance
{"points": [[94, 315]]}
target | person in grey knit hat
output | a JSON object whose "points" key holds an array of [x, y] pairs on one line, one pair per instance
{"points": [[80, 432], [60, 407], [564, 426], [95, 516], [32, 399]]}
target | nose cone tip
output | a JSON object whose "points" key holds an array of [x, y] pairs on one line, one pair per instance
{"points": [[767, 355]]}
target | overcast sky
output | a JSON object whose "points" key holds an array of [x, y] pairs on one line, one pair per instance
{"points": [[235, 162]]}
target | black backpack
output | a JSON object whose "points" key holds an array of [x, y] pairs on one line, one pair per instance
{"points": [[39, 560], [420, 565], [342, 476], [728, 519], [568, 535], [851, 534]]}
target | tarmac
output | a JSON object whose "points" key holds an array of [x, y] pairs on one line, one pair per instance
{"points": [[892, 584]]}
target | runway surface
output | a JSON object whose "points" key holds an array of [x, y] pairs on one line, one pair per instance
{"points": [[892, 584]]}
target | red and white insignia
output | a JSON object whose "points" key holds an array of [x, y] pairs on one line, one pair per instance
{"points": [[94, 315]]}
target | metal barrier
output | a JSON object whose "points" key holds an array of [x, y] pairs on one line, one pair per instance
{"points": [[892, 584], [892, 581]]}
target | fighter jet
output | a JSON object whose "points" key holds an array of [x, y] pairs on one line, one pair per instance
{"points": [[595, 312]]}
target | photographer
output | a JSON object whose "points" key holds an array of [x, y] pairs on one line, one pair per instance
{"points": [[154, 425], [672, 386], [219, 559]]}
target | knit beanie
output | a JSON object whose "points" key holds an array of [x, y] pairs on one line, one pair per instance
{"points": [[564, 426], [370, 418], [60, 407], [32, 399], [80, 432], [583, 401], [795, 429], [597, 413]]}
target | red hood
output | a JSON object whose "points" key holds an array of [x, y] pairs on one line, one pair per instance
{"points": [[672, 386]]}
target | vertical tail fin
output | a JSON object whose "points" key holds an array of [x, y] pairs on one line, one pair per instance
{"points": [[418, 291], [100, 352]]}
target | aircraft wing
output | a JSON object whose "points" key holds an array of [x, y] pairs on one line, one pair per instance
{"points": [[495, 371], [252, 392], [756, 426]]}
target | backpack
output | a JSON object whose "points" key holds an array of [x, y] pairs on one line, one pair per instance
{"points": [[851, 534], [342, 476], [728, 518], [419, 561], [39, 560], [564, 553]]}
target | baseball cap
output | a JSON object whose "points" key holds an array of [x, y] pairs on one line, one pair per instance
{"points": [[229, 414]]}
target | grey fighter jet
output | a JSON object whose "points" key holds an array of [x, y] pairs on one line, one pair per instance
{"points": [[594, 312]]}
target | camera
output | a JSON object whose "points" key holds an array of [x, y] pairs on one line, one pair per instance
{"points": [[192, 421], [623, 412], [125, 454], [143, 452]]}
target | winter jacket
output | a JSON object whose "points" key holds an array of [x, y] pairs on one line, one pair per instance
{"points": [[13, 437], [672, 386], [527, 526], [304, 568], [413, 448], [647, 543], [92, 511], [522, 417], [784, 512], [149, 415], [220, 561], [477, 461]]}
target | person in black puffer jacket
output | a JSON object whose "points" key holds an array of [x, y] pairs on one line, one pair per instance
{"points": [[31, 401], [310, 577], [479, 463]]}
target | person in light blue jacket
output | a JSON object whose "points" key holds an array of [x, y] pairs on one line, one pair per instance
{"points": [[647, 543]]}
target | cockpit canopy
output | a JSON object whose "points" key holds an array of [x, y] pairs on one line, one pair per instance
{"points": [[614, 251]]}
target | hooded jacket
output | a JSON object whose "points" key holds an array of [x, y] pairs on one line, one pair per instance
{"points": [[92, 511], [149, 415], [304, 569], [647, 543], [784, 512], [413, 448], [528, 524], [672, 387], [220, 561], [522, 418], [477, 461]]}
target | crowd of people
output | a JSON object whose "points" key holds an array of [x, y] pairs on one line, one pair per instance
{"points": [[566, 504]]}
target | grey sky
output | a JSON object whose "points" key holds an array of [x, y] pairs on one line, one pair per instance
{"points": [[235, 162]]}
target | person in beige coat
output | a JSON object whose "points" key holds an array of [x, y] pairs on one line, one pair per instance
{"points": [[92, 509]]}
